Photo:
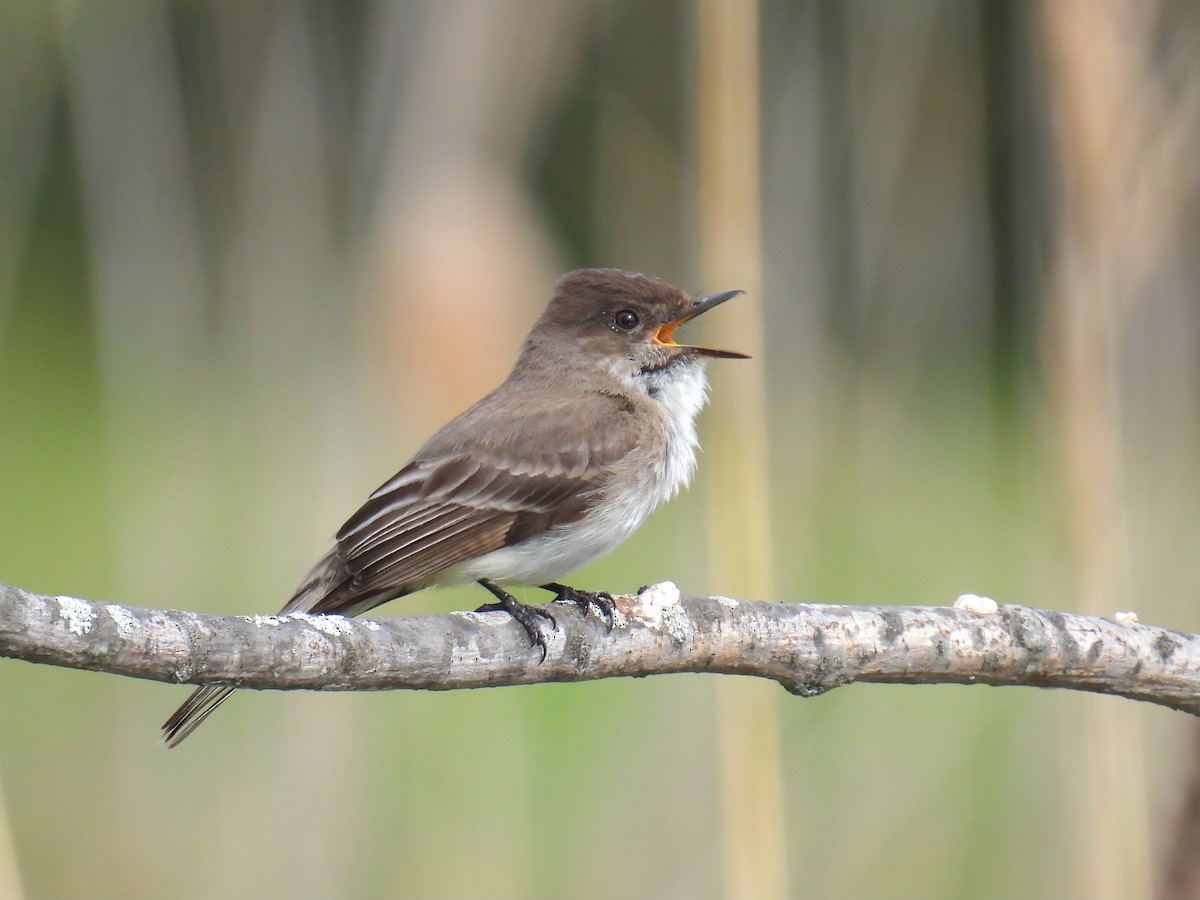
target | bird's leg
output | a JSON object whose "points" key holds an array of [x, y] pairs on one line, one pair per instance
{"points": [[529, 617], [602, 600]]}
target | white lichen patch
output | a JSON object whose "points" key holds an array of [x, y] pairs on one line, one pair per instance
{"points": [[330, 625], [677, 622], [651, 604], [370, 624], [78, 614], [125, 622], [727, 602], [1127, 618], [661, 595], [264, 621], [984, 606]]}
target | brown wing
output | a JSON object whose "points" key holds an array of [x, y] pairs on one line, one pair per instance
{"points": [[439, 513], [458, 500]]}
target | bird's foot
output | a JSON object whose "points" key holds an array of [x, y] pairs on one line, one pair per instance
{"points": [[585, 600], [531, 618]]}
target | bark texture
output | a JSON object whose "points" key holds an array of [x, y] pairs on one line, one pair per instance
{"points": [[807, 648]]}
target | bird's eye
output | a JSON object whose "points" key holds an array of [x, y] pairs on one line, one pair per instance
{"points": [[626, 320]]}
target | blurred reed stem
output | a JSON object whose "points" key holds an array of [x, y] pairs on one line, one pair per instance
{"points": [[10, 880], [752, 790], [1117, 189]]}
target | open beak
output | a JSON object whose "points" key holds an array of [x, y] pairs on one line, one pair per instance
{"points": [[664, 335]]}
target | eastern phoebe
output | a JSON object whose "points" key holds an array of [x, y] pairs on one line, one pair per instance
{"points": [[593, 429]]}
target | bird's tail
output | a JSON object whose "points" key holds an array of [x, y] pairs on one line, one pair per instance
{"points": [[196, 709], [326, 580]]}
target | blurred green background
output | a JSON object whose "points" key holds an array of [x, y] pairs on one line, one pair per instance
{"points": [[252, 254]]}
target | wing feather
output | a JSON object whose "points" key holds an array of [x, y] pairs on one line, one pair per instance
{"points": [[472, 490]]}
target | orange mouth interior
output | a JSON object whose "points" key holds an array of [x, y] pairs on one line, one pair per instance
{"points": [[664, 336]]}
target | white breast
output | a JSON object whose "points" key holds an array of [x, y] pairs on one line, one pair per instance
{"points": [[681, 392], [634, 491]]}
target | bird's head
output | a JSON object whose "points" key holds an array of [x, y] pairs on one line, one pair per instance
{"points": [[621, 321]]}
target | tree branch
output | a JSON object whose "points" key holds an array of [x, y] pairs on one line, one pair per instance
{"points": [[808, 648]]}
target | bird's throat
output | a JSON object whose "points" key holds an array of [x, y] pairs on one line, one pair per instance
{"points": [[680, 389]]}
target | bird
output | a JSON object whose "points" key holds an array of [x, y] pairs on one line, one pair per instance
{"points": [[592, 430]]}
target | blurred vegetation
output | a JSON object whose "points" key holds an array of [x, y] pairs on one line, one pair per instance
{"points": [[252, 254]]}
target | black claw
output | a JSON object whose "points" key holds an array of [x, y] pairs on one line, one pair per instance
{"points": [[585, 600], [529, 617]]}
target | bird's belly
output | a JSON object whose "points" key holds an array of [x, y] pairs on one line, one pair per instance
{"points": [[556, 553]]}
